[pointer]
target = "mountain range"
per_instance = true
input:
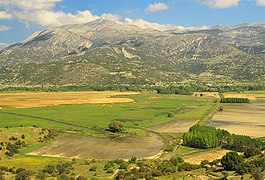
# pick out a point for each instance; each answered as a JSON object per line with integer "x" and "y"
{"x": 103, "y": 52}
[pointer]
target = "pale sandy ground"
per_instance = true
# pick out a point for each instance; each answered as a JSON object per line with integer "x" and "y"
{"x": 242, "y": 119}
{"x": 209, "y": 155}
{"x": 252, "y": 97}
{"x": 177, "y": 126}
{"x": 102, "y": 148}
{"x": 42, "y": 99}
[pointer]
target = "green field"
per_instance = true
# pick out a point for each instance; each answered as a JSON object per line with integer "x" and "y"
{"x": 148, "y": 110}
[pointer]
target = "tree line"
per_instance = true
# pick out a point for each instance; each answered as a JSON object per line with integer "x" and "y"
{"x": 205, "y": 137}
{"x": 235, "y": 100}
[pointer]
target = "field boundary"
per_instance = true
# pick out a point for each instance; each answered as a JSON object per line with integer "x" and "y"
{"x": 208, "y": 115}
{"x": 46, "y": 119}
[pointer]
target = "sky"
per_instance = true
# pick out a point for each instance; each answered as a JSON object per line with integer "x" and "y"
{"x": 21, "y": 18}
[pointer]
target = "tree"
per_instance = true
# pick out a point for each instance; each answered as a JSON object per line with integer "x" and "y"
{"x": 115, "y": 127}
{"x": 23, "y": 175}
{"x": 23, "y": 136}
{"x": 231, "y": 161}
{"x": 93, "y": 168}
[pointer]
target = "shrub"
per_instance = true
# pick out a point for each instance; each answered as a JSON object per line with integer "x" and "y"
{"x": 115, "y": 127}
{"x": 169, "y": 148}
{"x": 123, "y": 165}
{"x": 23, "y": 175}
{"x": 93, "y": 168}
{"x": 231, "y": 161}
{"x": 251, "y": 151}
{"x": 108, "y": 165}
{"x": 133, "y": 160}
{"x": 110, "y": 170}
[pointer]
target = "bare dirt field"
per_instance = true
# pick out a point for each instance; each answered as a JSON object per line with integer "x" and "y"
{"x": 177, "y": 126}
{"x": 243, "y": 119}
{"x": 197, "y": 158}
{"x": 252, "y": 97}
{"x": 102, "y": 148}
{"x": 42, "y": 99}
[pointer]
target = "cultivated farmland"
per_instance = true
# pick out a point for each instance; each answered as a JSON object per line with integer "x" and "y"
{"x": 42, "y": 99}
{"x": 243, "y": 119}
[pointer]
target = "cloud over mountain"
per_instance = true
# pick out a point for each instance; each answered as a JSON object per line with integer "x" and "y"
{"x": 155, "y": 7}
{"x": 260, "y": 2}
{"x": 5, "y": 16}
{"x": 220, "y": 4}
{"x": 4, "y": 28}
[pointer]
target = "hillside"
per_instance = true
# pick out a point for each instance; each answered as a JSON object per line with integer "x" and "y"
{"x": 103, "y": 52}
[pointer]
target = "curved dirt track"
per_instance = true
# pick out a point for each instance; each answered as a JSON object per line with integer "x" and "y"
{"x": 85, "y": 147}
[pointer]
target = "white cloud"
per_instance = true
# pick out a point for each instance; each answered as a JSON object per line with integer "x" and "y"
{"x": 5, "y": 16}
{"x": 27, "y": 5}
{"x": 260, "y": 2}
{"x": 220, "y": 4}
{"x": 161, "y": 27}
{"x": 51, "y": 18}
{"x": 42, "y": 13}
{"x": 156, "y": 7}
{"x": 145, "y": 24}
{"x": 111, "y": 17}
{"x": 4, "y": 28}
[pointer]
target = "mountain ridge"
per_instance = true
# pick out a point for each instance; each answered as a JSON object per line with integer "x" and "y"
{"x": 118, "y": 53}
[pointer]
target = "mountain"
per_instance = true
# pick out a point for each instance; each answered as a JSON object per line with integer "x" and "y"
{"x": 103, "y": 52}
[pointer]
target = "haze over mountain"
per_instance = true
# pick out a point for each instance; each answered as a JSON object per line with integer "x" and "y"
{"x": 104, "y": 52}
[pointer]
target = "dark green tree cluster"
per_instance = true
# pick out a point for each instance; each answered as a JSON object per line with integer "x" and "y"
{"x": 181, "y": 90}
{"x": 115, "y": 127}
{"x": 149, "y": 169}
{"x": 235, "y": 100}
{"x": 205, "y": 137}
{"x": 242, "y": 143}
{"x": 57, "y": 169}
{"x": 13, "y": 148}
{"x": 231, "y": 161}
{"x": 235, "y": 162}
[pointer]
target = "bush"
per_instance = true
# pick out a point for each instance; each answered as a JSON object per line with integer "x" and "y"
{"x": 188, "y": 167}
{"x": 231, "y": 161}
{"x": 169, "y": 148}
{"x": 133, "y": 160}
{"x": 110, "y": 170}
{"x": 123, "y": 165}
{"x": 23, "y": 175}
{"x": 108, "y": 165}
{"x": 115, "y": 127}
{"x": 251, "y": 151}
{"x": 93, "y": 168}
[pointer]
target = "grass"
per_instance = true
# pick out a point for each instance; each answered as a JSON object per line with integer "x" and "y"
{"x": 148, "y": 109}
{"x": 31, "y": 135}
{"x": 253, "y": 92}
{"x": 145, "y": 112}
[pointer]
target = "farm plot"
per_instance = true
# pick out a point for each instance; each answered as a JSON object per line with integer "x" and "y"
{"x": 145, "y": 111}
{"x": 243, "y": 119}
{"x": 42, "y": 99}
{"x": 251, "y": 96}
{"x": 102, "y": 148}
{"x": 174, "y": 126}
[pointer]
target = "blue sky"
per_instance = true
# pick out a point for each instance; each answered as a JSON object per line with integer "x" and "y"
{"x": 20, "y": 18}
